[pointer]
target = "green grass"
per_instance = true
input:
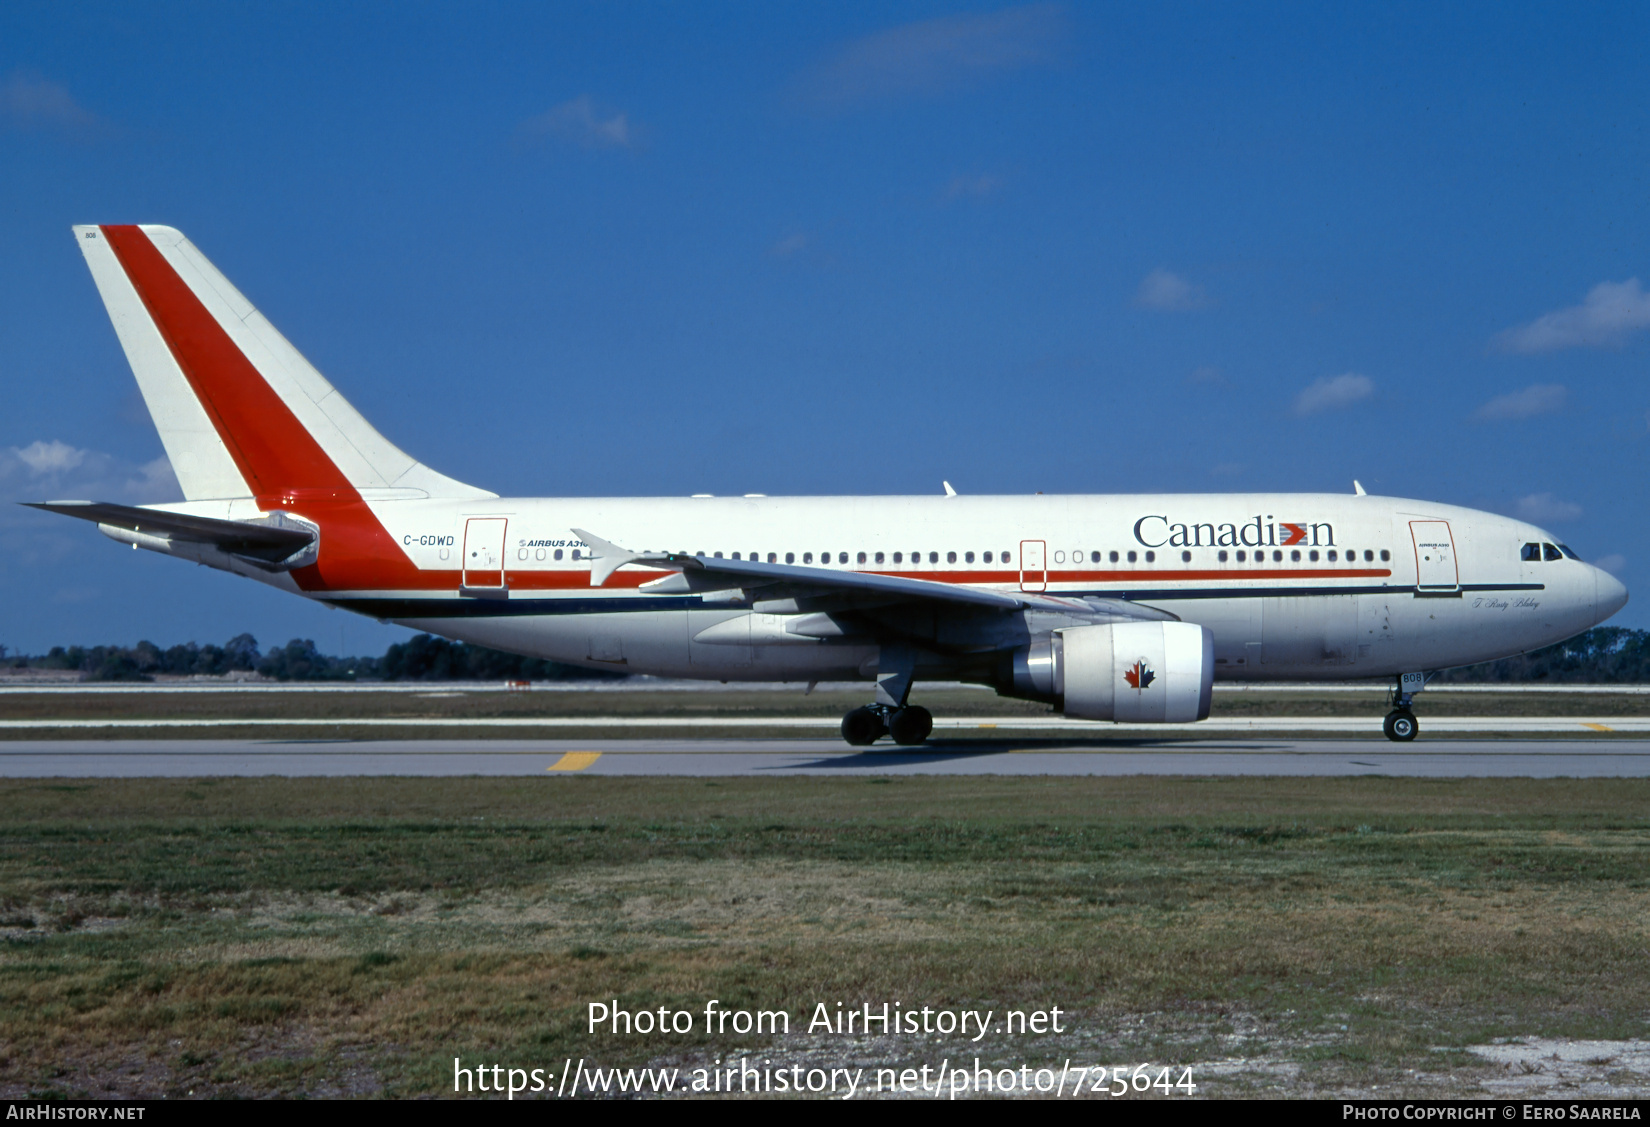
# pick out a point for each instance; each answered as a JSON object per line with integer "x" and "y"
{"x": 258, "y": 936}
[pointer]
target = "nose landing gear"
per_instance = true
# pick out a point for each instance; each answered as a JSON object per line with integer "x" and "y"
{"x": 909, "y": 724}
{"x": 1400, "y": 725}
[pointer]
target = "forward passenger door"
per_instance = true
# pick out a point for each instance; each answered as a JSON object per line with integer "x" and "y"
{"x": 1436, "y": 571}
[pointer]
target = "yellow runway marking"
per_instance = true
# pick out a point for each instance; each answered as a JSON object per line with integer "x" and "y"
{"x": 1598, "y": 727}
{"x": 988, "y": 725}
{"x": 575, "y": 761}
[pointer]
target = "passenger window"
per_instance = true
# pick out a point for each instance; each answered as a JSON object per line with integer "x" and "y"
{"x": 1385, "y": 555}
{"x": 1151, "y": 557}
{"x": 1277, "y": 557}
{"x": 1059, "y": 557}
{"x": 558, "y": 553}
{"x": 790, "y": 557}
{"x": 1548, "y": 552}
{"x": 807, "y": 557}
{"x": 879, "y": 557}
{"x": 773, "y": 557}
{"x": 842, "y": 558}
{"x": 899, "y": 557}
{"x": 1313, "y": 556}
{"x": 950, "y": 557}
{"x": 1132, "y": 557}
{"x": 1295, "y": 555}
{"x": 736, "y": 555}
{"x": 1185, "y": 557}
{"x": 576, "y": 553}
{"x": 1222, "y": 556}
{"x": 987, "y": 557}
{"x": 933, "y": 557}
{"x": 1331, "y": 555}
{"x": 1094, "y": 557}
{"x": 968, "y": 557}
{"x": 1240, "y": 556}
{"x": 1114, "y": 557}
{"x": 862, "y": 558}
{"x": 1007, "y": 557}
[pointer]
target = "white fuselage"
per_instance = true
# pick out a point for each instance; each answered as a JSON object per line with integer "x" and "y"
{"x": 1298, "y": 586}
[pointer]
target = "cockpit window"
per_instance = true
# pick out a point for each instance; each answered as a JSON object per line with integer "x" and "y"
{"x": 1530, "y": 553}
{"x": 1569, "y": 551}
{"x": 1548, "y": 552}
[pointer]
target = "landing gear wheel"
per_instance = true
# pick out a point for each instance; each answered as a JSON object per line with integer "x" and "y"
{"x": 861, "y": 727}
{"x": 911, "y": 725}
{"x": 1400, "y": 725}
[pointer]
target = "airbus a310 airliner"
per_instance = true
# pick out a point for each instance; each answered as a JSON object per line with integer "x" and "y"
{"x": 1121, "y": 608}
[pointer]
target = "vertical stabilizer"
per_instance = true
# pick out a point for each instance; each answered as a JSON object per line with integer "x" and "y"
{"x": 240, "y": 412}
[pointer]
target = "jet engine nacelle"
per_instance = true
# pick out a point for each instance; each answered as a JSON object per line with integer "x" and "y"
{"x": 1136, "y": 672}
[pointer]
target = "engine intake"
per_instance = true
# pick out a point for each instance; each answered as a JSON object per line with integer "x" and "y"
{"x": 1136, "y": 672}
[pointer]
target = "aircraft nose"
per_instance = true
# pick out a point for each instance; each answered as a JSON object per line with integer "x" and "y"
{"x": 1609, "y": 595}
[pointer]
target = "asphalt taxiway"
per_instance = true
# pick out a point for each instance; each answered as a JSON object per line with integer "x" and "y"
{"x": 1454, "y": 758}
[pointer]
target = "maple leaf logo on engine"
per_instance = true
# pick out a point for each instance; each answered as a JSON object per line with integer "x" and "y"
{"x": 1139, "y": 675}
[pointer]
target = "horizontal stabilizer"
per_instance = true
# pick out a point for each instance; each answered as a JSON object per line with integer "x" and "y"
{"x": 269, "y": 541}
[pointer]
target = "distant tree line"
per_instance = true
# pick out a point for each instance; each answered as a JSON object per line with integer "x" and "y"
{"x": 1602, "y": 655}
{"x": 420, "y": 658}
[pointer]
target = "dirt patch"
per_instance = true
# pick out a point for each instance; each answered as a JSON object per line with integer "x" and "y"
{"x": 1540, "y": 1068}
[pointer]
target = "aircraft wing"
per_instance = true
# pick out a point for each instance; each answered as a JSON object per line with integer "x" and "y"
{"x": 268, "y": 541}
{"x": 828, "y": 580}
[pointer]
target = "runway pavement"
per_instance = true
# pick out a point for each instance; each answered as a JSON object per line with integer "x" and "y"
{"x": 1457, "y": 758}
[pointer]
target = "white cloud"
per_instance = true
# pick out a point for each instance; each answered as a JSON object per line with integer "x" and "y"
{"x": 1332, "y": 393}
{"x": 1164, "y": 290}
{"x": 933, "y": 56}
{"x": 1611, "y": 312}
{"x": 583, "y": 122}
{"x": 29, "y": 101}
{"x": 1544, "y": 508}
{"x": 49, "y": 457}
{"x": 789, "y": 245}
{"x": 1612, "y": 563}
{"x": 54, "y": 470}
{"x": 970, "y": 187}
{"x": 1537, "y": 399}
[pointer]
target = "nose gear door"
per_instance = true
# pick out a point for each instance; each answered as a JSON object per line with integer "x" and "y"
{"x": 1436, "y": 572}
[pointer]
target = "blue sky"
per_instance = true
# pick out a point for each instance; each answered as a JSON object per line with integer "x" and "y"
{"x": 638, "y": 249}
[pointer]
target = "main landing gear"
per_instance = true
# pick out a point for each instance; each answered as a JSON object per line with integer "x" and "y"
{"x": 909, "y": 725}
{"x": 890, "y": 715}
{"x": 1400, "y": 725}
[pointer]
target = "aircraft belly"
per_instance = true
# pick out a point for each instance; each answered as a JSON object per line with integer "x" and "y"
{"x": 653, "y": 643}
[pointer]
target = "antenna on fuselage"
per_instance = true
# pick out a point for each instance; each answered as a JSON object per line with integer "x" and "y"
{"x": 949, "y": 492}
{"x": 1358, "y": 489}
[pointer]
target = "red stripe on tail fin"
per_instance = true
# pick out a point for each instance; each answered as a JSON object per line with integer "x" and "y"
{"x": 284, "y": 466}
{"x": 272, "y": 449}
